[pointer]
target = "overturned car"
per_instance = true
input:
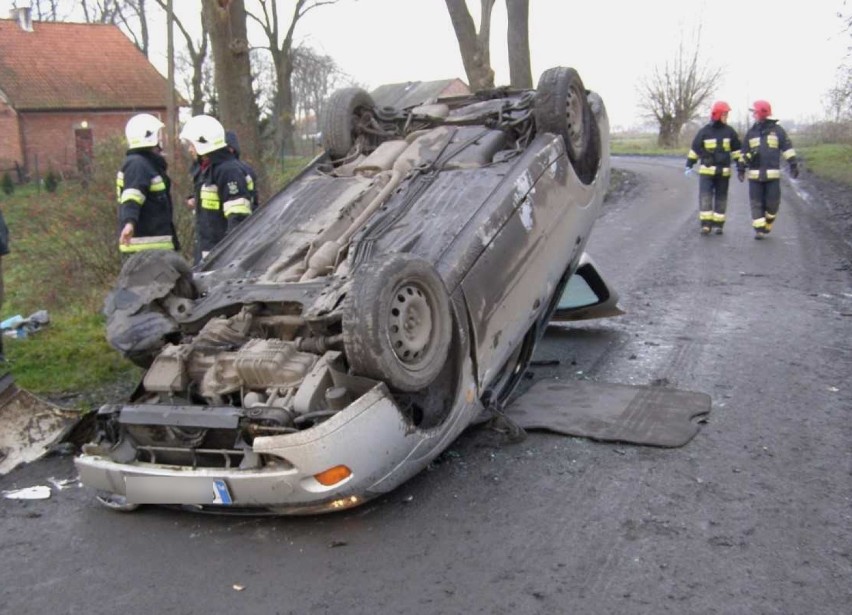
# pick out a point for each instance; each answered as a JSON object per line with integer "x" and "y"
{"x": 344, "y": 335}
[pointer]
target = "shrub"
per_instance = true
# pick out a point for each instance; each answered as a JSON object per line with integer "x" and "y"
{"x": 51, "y": 181}
{"x": 6, "y": 183}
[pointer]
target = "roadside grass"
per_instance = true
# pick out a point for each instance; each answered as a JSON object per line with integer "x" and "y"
{"x": 630, "y": 144}
{"x": 71, "y": 354}
{"x": 830, "y": 161}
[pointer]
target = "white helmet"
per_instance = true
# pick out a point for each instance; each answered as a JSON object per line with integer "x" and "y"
{"x": 205, "y": 133}
{"x": 143, "y": 130}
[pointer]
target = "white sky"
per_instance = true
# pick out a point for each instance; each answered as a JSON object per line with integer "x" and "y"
{"x": 784, "y": 52}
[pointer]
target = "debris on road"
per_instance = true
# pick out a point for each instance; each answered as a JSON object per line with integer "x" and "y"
{"x": 29, "y": 426}
{"x": 39, "y": 492}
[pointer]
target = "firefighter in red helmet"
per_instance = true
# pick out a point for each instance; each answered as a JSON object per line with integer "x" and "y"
{"x": 715, "y": 146}
{"x": 766, "y": 143}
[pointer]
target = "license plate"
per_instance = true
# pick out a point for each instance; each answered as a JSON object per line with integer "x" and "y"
{"x": 177, "y": 490}
{"x": 221, "y": 495}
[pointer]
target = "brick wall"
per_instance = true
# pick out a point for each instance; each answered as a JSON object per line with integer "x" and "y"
{"x": 10, "y": 142}
{"x": 50, "y": 135}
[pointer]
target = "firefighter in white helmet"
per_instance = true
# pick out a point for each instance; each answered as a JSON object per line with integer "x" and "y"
{"x": 224, "y": 198}
{"x": 143, "y": 190}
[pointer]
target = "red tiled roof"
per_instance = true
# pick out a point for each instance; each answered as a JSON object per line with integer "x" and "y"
{"x": 76, "y": 66}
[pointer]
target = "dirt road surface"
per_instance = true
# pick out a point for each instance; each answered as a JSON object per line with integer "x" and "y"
{"x": 753, "y": 516}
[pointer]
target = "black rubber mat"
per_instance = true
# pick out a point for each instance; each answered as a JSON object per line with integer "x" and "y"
{"x": 651, "y": 415}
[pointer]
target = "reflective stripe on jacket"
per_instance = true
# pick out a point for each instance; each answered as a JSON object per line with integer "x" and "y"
{"x": 766, "y": 143}
{"x": 142, "y": 191}
{"x": 716, "y": 146}
{"x": 225, "y": 197}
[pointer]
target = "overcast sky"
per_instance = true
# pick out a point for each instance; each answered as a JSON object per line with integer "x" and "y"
{"x": 785, "y": 52}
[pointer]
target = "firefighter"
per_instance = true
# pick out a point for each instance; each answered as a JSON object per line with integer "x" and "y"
{"x": 716, "y": 145}
{"x": 251, "y": 177}
{"x": 224, "y": 196}
{"x": 143, "y": 190}
{"x": 765, "y": 144}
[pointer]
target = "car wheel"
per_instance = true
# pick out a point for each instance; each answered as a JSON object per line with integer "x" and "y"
{"x": 562, "y": 108}
{"x": 397, "y": 325}
{"x": 344, "y": 112}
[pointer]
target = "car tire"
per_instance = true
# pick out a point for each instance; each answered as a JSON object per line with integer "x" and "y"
{"x": 343, "y": 112}
{"x": 562, "y": 108}
{"x": 397, "y": 324}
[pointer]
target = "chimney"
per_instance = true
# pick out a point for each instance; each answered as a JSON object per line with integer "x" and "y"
{"x": 23, "y": 16}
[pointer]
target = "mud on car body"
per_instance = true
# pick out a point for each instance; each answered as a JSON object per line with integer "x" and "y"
{"x": 344, "y": 335}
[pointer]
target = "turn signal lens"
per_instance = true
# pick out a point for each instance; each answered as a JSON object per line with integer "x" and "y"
{"x": 332, "y": 476}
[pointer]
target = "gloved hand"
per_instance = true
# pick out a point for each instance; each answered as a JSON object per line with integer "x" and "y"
{"x": 794, "y": 171}
{"x": 687, "y": 171}
{"x": 741, "y": 174}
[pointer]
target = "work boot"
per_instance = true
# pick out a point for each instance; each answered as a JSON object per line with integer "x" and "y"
{"x": 718, "y": 230}
{"x": 759, "y": 234}
{"x": 705, "y": 230}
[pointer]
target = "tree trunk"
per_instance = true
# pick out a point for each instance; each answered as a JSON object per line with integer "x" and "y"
{"x": 518, "y": 40}
{"x": 282, "y": 111}
{"x": 284, "y": 103}
{"x": 474, "y": 48}
{"x": 226, "y": 23}
{"x": 668, "y": 135}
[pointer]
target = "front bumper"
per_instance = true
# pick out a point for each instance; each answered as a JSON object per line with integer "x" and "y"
{"x": 370, "y": 437}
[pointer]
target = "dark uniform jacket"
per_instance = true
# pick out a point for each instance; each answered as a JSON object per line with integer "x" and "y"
{"x": 224, "y": 197}
{"x": 251, "y": 176}
{"x": 143, "y": 191}
{"x": 765, "y": 144}
{"x": 716, "y": 145}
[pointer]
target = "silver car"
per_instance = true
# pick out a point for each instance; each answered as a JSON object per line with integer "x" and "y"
{"x": 388, "y": 297}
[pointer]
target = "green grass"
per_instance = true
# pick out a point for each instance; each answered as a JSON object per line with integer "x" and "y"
{"x": 70, "y": 354}
{"x": 831, "y": 161}
{"x": 642, "y": 144}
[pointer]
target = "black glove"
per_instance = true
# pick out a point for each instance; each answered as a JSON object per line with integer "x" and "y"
{"x": 741, "y": 174}
{"x": 794, "y": 171}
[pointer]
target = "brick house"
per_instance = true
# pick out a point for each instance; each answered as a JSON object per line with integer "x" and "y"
{"x": 65, "y": 87}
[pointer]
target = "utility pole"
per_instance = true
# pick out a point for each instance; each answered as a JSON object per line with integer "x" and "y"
{"x": 171, "y": 102}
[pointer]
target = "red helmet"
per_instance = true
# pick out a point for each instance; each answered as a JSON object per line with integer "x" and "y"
{"x": 719, "y": 108}
{"x": 761, "y": 109}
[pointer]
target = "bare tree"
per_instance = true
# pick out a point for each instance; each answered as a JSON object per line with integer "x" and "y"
{"x": 47, "y": 10}
{"x": 518, "y": 40}
{"x": 838, "y": 100}
{"x": 100, "y": 11}
{"x": 132, "y": 14}
{"x": 673, "y": 93}
{"x": 474, "y": 46}
{"x": 196, "y": 55}
{"x": 280, "y": 46}
{"x": 226, "y": 24}
{"x": 314, "y": 77}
